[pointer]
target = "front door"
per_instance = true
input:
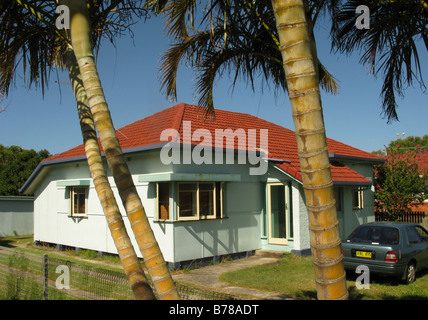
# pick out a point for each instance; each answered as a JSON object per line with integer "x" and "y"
{"x": 277, "y": 213}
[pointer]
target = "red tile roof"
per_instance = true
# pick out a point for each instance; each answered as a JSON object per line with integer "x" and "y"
{"x": 281, "y": 141}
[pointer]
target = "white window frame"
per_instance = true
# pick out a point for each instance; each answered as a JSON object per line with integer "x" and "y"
{"x": 360, "y": 199}
{"x": 198, "y": 216}
{"x": 72, "y": 195}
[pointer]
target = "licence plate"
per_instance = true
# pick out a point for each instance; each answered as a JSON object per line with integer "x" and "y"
{"x": 363, "y": 254}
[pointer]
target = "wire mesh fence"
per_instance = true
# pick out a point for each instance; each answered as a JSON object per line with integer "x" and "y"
{"x": 28, "y": 276}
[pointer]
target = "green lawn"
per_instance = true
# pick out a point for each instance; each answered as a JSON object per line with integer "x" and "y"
{"x": 294, "y": 276}
{"x": 25, "y": 243}
{"x": 15, "y": 240}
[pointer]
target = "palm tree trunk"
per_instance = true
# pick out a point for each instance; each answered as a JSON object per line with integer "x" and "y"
{"x": 127, "y": 255}
{"x": 300, "y": 63}
{"x": 153, "y": 258}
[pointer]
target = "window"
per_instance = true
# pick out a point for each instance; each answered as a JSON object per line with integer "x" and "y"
{"x": 416, "y": 234}
{"x": 375, "y": 235}
{"x": 412, "y": 235}
{"x": 78, "y": 196}
{"x": 357, "y": 199}
{"x": 163, "y": 200}
{"x": 423, "y": 234}
{"x": 199, "y": 200}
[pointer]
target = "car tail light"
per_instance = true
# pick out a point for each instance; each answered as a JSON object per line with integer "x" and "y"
{"x": 391, "y": 256}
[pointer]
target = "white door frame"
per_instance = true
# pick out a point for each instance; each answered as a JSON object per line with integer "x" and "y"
{"x": 272, "y": 240}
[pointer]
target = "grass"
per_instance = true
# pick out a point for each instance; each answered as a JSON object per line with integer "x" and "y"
{"x": 16, "y": 240}
{"x": 89, "y": 279}
{"x": 294, "y": 276}
{"x": 25, "y": 243}
{"x": 86, "y": 278}
{"x": 291, "y": 275}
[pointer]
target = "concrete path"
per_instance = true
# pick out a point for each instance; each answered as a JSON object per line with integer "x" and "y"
{"x": 209, "y": 276}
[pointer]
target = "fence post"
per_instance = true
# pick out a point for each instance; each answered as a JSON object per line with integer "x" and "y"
{"x": 45, "y": 277}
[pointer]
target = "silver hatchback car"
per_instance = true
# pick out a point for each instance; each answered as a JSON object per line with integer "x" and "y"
{"x": 388, "y": 248}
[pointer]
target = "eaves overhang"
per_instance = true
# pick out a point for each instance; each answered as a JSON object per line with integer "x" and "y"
{"x": 339, "y": 157}
{"x": 28, "y": 188}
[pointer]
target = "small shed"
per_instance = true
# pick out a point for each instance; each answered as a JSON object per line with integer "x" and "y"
{"x": 16, "y": 215}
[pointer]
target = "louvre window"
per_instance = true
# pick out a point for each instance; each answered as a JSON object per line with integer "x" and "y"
{"x": 357, "y": 199}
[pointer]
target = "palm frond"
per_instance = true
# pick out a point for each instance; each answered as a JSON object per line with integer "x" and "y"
{"x": 180, "y": 17}
{"x": 30, "y": 40}
{"x": 389, "y": 47}
{"x": 238, "y": 38}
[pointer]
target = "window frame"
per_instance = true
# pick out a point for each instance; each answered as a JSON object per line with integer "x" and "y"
{"x": 158, "y": 216}
{"x": 216, "y": 192}
{"x": 360, "y": 199}
{"x": 72, "y": 190}
{"x": 193, "y": 217}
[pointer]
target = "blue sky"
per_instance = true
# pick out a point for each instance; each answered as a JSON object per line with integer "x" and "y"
{"x": 130, "y": 77}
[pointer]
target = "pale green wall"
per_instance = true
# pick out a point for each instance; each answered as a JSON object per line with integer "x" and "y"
{"x": 16, "y": 216}
{"x": 242, "y": 229}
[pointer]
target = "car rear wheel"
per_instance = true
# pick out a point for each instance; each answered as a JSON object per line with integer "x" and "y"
{"x": 410, "y": 273}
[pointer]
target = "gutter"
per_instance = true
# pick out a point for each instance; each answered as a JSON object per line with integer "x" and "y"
{"x": 338, "y": 157}
{"x": 351, "y": 183}
{"x": 16, "y": 198}
{"x": 150, "y": 147}
{"x": 44, "y": 164}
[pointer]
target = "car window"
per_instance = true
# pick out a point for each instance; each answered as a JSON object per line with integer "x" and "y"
{"x": 413, "y": 235}
{"x": 375, "y": 234}
{"x": 423, "y": 234}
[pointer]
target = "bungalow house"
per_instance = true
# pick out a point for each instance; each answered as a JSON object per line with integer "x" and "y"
{"x": 210, "y": 186}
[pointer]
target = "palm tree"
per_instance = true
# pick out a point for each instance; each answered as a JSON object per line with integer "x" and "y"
{"x": 19, "y": 43}
{"x": 80, "y": 34}
{"x": 298, "y": 52}
{"x": 51, "y": 46}
{"x": 390, "y": 46}
{"x": 301, "y": 73}
{"x": 126, "y": 251}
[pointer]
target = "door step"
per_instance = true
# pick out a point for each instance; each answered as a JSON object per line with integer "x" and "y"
{"x": 270, "y": 253}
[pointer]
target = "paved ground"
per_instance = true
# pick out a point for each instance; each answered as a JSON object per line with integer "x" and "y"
{"x": 209, "y": 276}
